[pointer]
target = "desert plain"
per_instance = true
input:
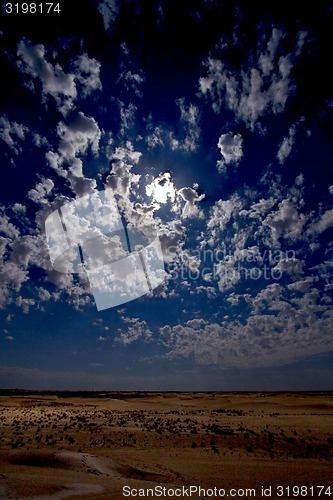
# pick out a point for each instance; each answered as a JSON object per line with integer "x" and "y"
{"x": 108, "y": 445}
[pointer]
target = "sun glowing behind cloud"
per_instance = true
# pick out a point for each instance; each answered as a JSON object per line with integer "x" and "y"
{"x": 162, "y": 189}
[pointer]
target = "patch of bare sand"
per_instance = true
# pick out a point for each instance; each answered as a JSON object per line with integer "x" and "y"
{"x": 92, "y": 464}
{"x": 25, "y": 470}
{"x": 70, "y": 490}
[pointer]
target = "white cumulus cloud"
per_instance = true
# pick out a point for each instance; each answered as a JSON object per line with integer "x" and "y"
{"x": 54, "y": 81}
{"x": 231, "y": 150}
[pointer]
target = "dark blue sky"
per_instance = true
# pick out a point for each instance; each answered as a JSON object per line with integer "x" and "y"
{"x": 226, "y": 106}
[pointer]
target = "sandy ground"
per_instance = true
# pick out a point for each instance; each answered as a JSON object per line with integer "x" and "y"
{"x": 55, "y": 448}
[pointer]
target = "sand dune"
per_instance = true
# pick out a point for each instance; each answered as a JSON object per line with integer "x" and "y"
{"x": 70, "y": 490}
{"x": 92, "y": 464}
{"x": 80, "y": 463}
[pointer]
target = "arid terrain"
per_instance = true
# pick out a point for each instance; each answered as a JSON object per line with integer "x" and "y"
{"x": 53, "y": 446}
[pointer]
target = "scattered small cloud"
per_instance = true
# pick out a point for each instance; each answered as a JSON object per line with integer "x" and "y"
{"x": 11, "y": 132}
{"x": 87, "y": 74}
{"x": 324, "y": 222}
{"x": 263, "y": 88}
{"x": 54, "y": 81}
{"x": 286, "y": 146}
{"x": 41, "y": 191}
{"x": 136, "y": 330}
{"x": 191, "y": 198}
{"x": 109, "y": 10}
{"x": 189, "y": 119}
{"x": 231, "y": 150}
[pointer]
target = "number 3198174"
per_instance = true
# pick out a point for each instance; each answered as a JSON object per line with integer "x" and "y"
{"x": 32, "y": 8}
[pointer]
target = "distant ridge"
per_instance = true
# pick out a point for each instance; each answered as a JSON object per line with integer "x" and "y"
{"x": 139, "y": 394}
